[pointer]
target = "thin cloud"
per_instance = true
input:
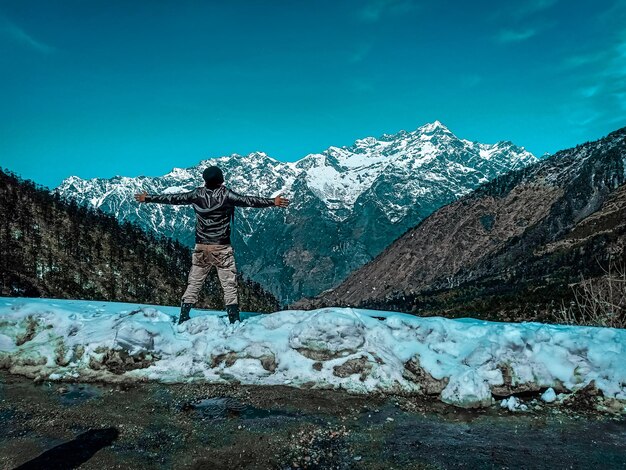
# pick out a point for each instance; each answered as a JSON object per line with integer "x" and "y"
{"x": 374, "y": 10}
{"x": 589, "y": 91}
{"x": 360, "y": 53}
{"x": 520, "y": 11}
{"x": 584, "y": 59}
{"x": 529, "y": 8}
{"x": 601, "y": 78}
{"x": 18, "y": 35}
{"x": 512, "y": 35}
{"x": 517, "y": 16}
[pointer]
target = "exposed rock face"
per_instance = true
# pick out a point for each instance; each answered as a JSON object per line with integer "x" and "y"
{"x": 525, "y": 235}
{"x": 348, "y": 203}
{"x": 120, "y": 361}
{"x": 267, "y": 359}
{"x": 357, "y": 365}
{"x": 414, "y": 372}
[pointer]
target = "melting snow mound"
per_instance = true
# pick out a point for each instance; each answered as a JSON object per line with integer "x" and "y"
{"x": 463, "y": 362}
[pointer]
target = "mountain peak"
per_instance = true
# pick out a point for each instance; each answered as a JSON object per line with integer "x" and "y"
{"x": 434, "y": 127}
{"x": 257, "y": 154}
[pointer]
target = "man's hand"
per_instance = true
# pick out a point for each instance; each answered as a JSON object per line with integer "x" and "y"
{"x": 141, "y": 197}
{"x": 280, "y": 201}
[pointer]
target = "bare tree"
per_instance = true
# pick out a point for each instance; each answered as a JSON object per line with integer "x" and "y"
{"x": 599, "y": 301}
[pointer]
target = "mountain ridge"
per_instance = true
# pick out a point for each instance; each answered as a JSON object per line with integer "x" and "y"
{"x": 499, "y": 235}
{"x": 348, "y": 202}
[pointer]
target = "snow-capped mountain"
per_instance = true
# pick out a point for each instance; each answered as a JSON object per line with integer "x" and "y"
{"x": 348, "y": 203}
{"x": 513, "y": 249}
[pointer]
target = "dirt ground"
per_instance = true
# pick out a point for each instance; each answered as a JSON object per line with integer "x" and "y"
{"x": 150, "y": 425}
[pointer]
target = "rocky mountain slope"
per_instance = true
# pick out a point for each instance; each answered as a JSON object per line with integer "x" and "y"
{"x": 510, "y": 249}
{"x": 348, "y": 203}
{"x": 55, "y": 249}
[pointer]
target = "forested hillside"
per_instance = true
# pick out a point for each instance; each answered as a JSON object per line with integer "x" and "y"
{"x": 51, "y": 247}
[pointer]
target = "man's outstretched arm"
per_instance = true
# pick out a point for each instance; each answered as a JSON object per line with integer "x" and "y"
{"x": 181, "y": 198}
{"x": 254, "y": 201}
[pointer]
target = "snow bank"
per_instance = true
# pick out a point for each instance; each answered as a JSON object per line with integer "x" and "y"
{"x": 464, "y": 361}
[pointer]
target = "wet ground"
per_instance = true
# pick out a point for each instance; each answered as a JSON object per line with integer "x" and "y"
{"x": 91, "y": 426}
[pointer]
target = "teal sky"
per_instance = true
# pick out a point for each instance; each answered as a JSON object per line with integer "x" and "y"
{"x": 101, "y": 88}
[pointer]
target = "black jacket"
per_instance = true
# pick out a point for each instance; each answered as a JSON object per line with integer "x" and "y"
{"x": 214, "y": 210}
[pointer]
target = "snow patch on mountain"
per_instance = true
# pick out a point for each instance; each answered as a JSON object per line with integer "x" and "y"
{"x": 176, "y": 189}
{"x": 338, "y": 176}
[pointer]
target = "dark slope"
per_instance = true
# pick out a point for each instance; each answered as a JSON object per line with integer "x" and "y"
{"x": 52, "y": 248}
{"x": 509, "y": 249}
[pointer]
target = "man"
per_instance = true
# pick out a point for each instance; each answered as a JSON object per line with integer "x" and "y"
{"x": 214, "y": 205}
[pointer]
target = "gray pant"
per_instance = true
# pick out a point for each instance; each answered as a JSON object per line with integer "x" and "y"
{"x": 203, "y": 259}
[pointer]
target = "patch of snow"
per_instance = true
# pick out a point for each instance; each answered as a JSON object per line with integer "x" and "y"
{"x": 174, "y": 190}
{"x": 358, "y": 350}
{"x": 486, "y": 153}
{"x": 513, "y": 404}
{"x": 467, "y": 389}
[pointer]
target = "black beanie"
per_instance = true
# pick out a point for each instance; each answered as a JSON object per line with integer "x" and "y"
{"x": 213, "y": 177}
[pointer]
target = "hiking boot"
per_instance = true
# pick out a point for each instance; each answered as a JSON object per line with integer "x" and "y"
{"x": 184, "y": 312}
{"x": 233, "y": 312}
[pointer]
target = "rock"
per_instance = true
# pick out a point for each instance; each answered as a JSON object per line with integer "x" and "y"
{"x": 511, "y": 384}
{"x": 268, "y": 362}
{"x": 5, "y": 360}
{"x": 613, "y": 406}
{"x": 29, "y": 333}
{"x": 79, "y": 350}
{"x": 583, "y": 399}
{"x": 228, "y": 359}
{"x": 60, "y": 358}
{"x": 119, "y": 361}
{"x": 353, "y": 366}
{"x": 262, "y": 354}
{"x": 414, "y": 372}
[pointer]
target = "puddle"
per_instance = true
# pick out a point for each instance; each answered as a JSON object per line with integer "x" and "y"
{"x": 77, "y": 394}
{"x": 231, "y": 408}
{"x": 7, "y": 417}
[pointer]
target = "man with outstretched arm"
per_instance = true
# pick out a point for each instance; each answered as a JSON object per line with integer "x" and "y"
{"x": 214, "y": 205}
